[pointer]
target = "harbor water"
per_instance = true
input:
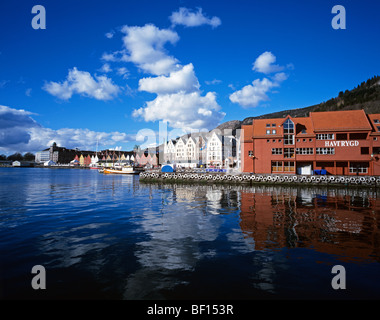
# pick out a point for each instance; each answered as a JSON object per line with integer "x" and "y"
{"x": 115, "y": 237}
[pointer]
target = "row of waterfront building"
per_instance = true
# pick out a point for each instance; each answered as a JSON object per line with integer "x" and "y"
{"x": 337, "y": 143}
{"x": 193, "y": 150}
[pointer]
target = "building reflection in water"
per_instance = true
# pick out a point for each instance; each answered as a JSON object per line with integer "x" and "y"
{"x": 342, "y": 222}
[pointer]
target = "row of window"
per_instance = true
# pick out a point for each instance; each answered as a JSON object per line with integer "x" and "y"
{"x": 289, "y": 152}
{"x": 288, "y": 130}
{"x": 325, "y": 136}
{"x": 359, "y": 167}
{"x": 283, "y": 166}
{"x": 289, "y": 166}
{"x": 289, "y": 140}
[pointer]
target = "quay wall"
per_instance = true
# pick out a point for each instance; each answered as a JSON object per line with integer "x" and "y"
{"x": 245, "y": 178}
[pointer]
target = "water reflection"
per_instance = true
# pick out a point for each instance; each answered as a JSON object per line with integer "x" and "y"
{"x": 342, "y": 223}
{"x": 151, "y": 241}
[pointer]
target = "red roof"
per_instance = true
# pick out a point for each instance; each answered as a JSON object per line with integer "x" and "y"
{"x": 349, "y": 120}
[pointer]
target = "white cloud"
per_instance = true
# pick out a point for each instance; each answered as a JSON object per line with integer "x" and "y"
{"x": 213, "y": 82}
{"x": 188, "y": 18}
{"x": 124, "y": 72}
{"x": 179, "y": 100}
{"x": 265, "y": 63}
{"x": 81, "y": 82}
{"x": 251, "y": 95}
{"x": 183, "y": 110}
{"x": 145, "y": 47}
{"x": 109, "y": 35}
{"x": 181, "y": 80}
{"x": 279, "y": 77}
{"x": 20, "y": 133}
{"x": 105, "y": 68}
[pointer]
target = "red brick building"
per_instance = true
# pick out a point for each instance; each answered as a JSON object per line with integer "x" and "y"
{"x": 336, "y": 142}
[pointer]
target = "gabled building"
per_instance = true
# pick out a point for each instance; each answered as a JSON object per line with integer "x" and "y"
{"x": 215, "y": 150}
{"x": 334, "y": 142}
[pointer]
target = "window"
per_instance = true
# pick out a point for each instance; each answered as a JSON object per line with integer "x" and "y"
{"x": 376, "y": 121}
{"x": 310, "y": 140}
{"x": 289, "y": 166}
{"x": 274, "y": 140}
{"x": 277, "y": 166}
{"x": 288, "y": 152}
{"x": 289, "y": 139}
{"x": 276, "y": 150}
{"x": 304, "y": 151}
{"x": 250, "y": 153}
{"x": 359, "y": 167}
{"x": 378, "y": 128}
{"x": 288, "y": 126}
{"x": 364, "y": 150}
{"x": 298, "y": 140}
{"x": 303, "y": 131}
{"x": 268, "y": 131}
{"x": 303, "y": 140}
{"x": 268, "y": 140}
{"x": 325, "y": 151}
{"x": 268, "y": 125}
{"x": 325, "y": 136}
{"x": 341, "y": 136}
{"x": 273, "y": 131}
{"x": 359, "y": 136}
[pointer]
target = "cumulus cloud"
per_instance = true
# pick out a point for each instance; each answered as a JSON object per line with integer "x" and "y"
{"x": 13, "y": 126}
{"x": 183, "y": 110}
{"x": 189, "y": 18}
{"x": 179, "y": 100}
{"x": 82, "y": 83}
{"x": 265, "y": 63}
{"x": 20, "y": 132}
{"x": 251, "y": 95}
{"x": 145, "y": 47}
{"x": 182, "y": 80}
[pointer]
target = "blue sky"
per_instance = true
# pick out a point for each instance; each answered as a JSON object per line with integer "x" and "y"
{"x": 105, "y": 70}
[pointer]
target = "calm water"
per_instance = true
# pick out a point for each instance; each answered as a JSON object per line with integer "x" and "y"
{"x": 112, "y": 237}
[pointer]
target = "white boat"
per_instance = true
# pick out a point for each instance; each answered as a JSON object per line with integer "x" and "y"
{"x": 123, "y": 170}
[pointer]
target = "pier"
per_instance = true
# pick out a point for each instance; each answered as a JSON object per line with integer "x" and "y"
{"x": 246, "y": 178}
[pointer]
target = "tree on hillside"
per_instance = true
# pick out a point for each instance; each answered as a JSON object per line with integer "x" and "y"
{"x": 29, "y": 156}
{"x": 15, "y": 157}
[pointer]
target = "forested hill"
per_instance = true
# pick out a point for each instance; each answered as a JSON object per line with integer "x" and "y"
{"x": 365, "y": 96}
